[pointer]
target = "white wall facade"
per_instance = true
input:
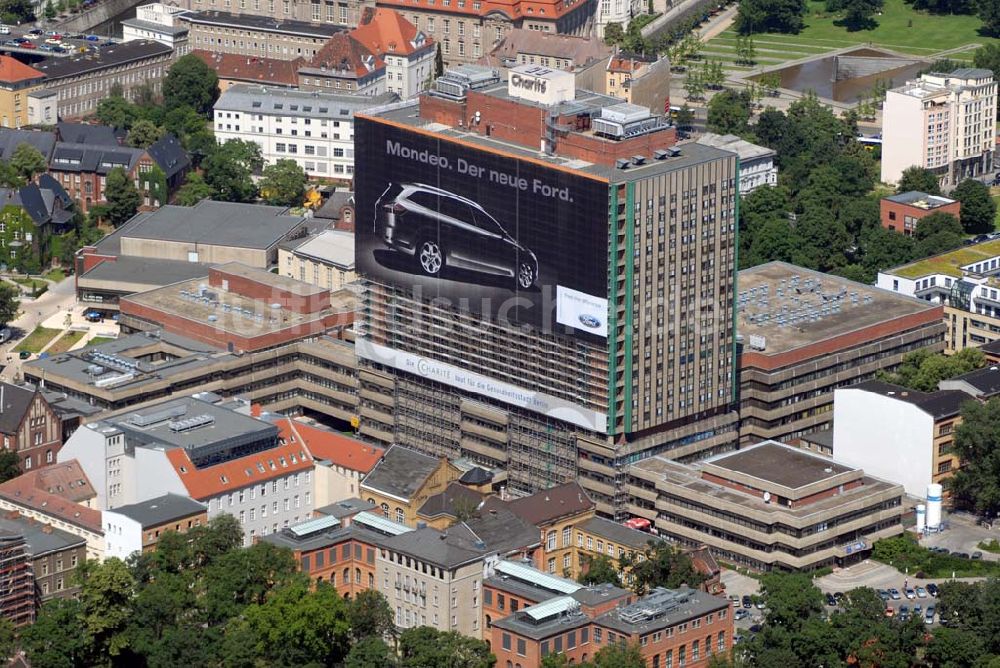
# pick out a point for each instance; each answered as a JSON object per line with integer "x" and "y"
{"x": 267, "y": 507}
{"x": 887, "y": 437}
{"x": 335, "y": 483}
{"x": 616, "y": 11}
{"x": 408, "y": 75}
{"x": 122, "y": 535}
{"x": 904, "y": 135}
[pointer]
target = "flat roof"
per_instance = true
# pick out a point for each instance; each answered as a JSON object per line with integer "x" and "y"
{"x": 792, "y": 307}
{"x": 938, "y": 404}
{"x": 109, "y": 56}
{"x": 691, "y": 153}
{"x": 132, "y": 271}
{"x": 216, "y": 224}
{"x": 345, "y": 507}
{"x": 661, "y": 608}
{"x": 920, "y": 200}
{"x": 334, "y": 247}
{"x": 780, "y": 465}
{"x": 155, "y": 27}
{"x": 263, "y": 23}
{"x": 161, "y": 510}
{"x": 258, "y": 99}
{"x": 950, "y": 263}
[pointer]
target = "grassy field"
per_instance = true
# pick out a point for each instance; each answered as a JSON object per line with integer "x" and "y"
{"x": 65, "y": 342}
{"x": 98, "y": 340}
{"x": 37, "y": 340}
{"x": 900, "y": 28}
{"x": 996, "y": 220}
{"x": 56, "y": 275}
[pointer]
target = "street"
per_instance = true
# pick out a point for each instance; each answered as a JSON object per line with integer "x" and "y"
{"x": 59, "y": 297}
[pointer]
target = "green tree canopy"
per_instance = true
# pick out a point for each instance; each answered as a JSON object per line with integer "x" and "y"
{"x": 10, "y": 303}
{"x": 613, "y": 33}
{"x": 922, "y": 370}
{"x": 759, "y": 16}
{"x": 989, "y": 12}
{"x": 729, "y": 112}
{"x": 600, "y": 570}
{"x": 191, "y": 83}
{"x": 938, "y": 233}
{"x": 426, "y": 647}
{"x": 919, "y": 179}
{"x": 27, "y": 161}
{"x": 229, "y": 167}
{"x": 144, "y": 133}
{"x": 979, "y": 211}
{"x": 10, "y": 465}
{"x": 858, "y": 14}
{"x": 117, "y": 112}
{"x": 976, "y": 485}
{"x": 122, "y": 196}
{"x": 370, "y": 615}
{"x": 660, "y": 566}
{"x": 370, "y": 652}
{"x": 193, "y": 191}
{"x": 283, "y": 183}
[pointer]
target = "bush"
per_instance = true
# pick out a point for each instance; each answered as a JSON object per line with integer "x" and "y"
{"x": 905, "y": 554}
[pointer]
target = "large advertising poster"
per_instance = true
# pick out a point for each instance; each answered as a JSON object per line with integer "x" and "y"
{"x": 502, "y": 237}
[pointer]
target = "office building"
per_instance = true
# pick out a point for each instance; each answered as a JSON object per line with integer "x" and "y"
{"x": 902, "y": 212}
{"x": 683, "y": 627}
{"x": 314, "y": 129}
{"x": 517, "y": 354}
{"x": 898, "y": 434}
{"x": 203, "y": 448}
{"x": 769, "y": 506}
{"x": 136, "y": 528}
{"x": 60, "y": 496}
{"x": 962, "y": 281}
{"x": 757, "y": 166}
{"x": 326, "y": 259}
{"x": 82, "y": 81}
{"x": 17, "y": 82}
{"x": 158, "y": 22}
{"x": 942, "y": 122}
{"x": 804, "y": 334}
{"x": 328, "y": 14}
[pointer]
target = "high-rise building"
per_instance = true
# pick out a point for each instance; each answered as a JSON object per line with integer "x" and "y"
{"x": 548, "y": 281}
{"x": 943, "y": 122}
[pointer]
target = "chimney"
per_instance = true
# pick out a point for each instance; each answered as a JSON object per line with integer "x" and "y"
{"x": 47, "y": 528}
{"x": 255, "y": 410}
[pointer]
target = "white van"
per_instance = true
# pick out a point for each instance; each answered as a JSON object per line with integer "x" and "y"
{"x": 4, "y": 30}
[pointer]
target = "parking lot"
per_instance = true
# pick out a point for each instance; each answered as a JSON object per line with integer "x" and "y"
{"x": 37, "y": 41}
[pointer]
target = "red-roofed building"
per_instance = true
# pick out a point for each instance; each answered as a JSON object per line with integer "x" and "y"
{"x": 16, "y": 81}
{"x": 233, "y": 68}
{"x": 344, "y": 65}
{"x": 408, "y": 53}
{"x": 60, "y": 495}
{"x": 467, "y": 29}
{"x": 341, "y": 462}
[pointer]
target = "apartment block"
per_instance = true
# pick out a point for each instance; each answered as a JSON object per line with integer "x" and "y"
{"x": 942, "y": 122}
{"x": 769, "y": 506}
{"x": 136, "y": 528}
{"x": 805, "y": 334}
{"x": 902, "y": 212}
{"x": 479, "y": 362}
{"x": 898, "y": 434}
{"x": 329, "y": 14}
{"x": 314, "y": 129}
{"x": 280, "y": 38}
{"x": 408, "y": 53}
{"x": 964, "y": 283}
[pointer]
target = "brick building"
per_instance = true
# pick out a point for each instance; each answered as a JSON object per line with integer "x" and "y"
{"x": 29, "y": 426}
{"x": 902, "y": 212}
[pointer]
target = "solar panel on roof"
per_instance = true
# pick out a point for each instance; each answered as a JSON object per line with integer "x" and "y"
{"x": 537, "y": 577}
{"x": 380, "y": 524}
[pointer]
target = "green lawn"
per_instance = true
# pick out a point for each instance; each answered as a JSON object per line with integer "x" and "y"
{"x": 98, "y": 340}
{"x": 56, "y": 275}
{"x": 65, "y": 342}
{"x": 37, "y": 340}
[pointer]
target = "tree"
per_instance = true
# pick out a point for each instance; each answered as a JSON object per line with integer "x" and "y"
{"x": 729, "y": 112}
{"x": 117, "y": 112}
{"x": 143, "y": 134}
{"x": 600, "y": 569}
{"x": 979, "y": 211}
{"x": 660, "y": 565}
{"x": 857, "y": 13}
{"x": 619, "y": 655}
{"x": 919, "y": 179}
{"x": 426, "y": 647}
{"x": 228, "y": 169}
{"x": 295, "y": 626}
{"x": 57, "y": 639}
{"x": 50, "y": 11}
{"x": 759, "y": 16}
{"x": 954, "y": 648}
{"x": 16, "y": 12}
{"x": 989, "y": 12}
{"x": 685, "y": 117}
{"x": 193, "y": 191}
{"x": 122, "y": 196}
{"x": 791, "y": 599}
{"x": 283, "y": 183}
{"x": 922, "y": 370}
{"x": 938, "y": 233}
{"x": 613, "y": 33}
{"x": 976, "y": 485}
{"x": 746, "y": 52}
{"x": 9, "y": 302}
{"x": 370, "y": 616}
{"x": 438, "y": 62}
{"x": 10, "y": 464}
{"x": 106, "y": 591}
{"x": 370, "y": 653}
{"x": 694, "y": 84}
{"x": 27, "y": 161}
{"x": 191, "y": 83}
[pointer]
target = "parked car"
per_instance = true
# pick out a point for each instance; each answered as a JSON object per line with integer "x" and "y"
{"x": 4, "y": 30}
{"x": 741, "y": 614}
{"x": 932, "y": 589}
{"x": 53, "y": 41}
{"x": 439, "y": 229}
{"x": 28, "y": 45}
{"x": 918, "y": 610}
{"x": 890, "y": 611}
{"x": 755, "y": 628}
{"x": 747, "y": 602}
{"x": 977, "y": 555}
{"x": 883, "y": 594}
{"x": 894, "y": 594}
{"x": 36, "y": 31}
{"x": 93, "y": 316}
{"x": 961, "y": 555}
{"x": 830, "y": 600}
{"x": 93, "y": 38}
{"x": 24, "y": 354}
{"x": 760, "y": 605}
{"x": 929, "y": 614}
{"x": 904, "y": 613}
{"x": 910, "y": 594}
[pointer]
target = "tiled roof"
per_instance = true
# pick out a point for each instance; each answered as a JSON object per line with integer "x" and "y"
{"x": 626, "y": 63}
{"x": 344, "y": 54}
{"x": 252, "y": 69}
{"x": 580, "y": 50}
{"x": 16, "y": 399}
{"x": 13, "y": 71}
{"x": 65, "y": 479}
{"x": 401, "y": 473}
{"x": 26, "y": 491}
{"x": 211, "y": 481}
{"x": 389, "y": 33}
{"x": 549, "y": 504}
{"x": 334, "y": 447}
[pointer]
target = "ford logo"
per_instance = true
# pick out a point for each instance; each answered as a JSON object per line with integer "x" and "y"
{"x": 590, "y": 321}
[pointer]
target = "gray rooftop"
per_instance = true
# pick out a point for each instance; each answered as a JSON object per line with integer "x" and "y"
{"x": 155, "y": 27}
{"x": 216, "y": 223}
{"x": 333, "y": 247}
{"x": 617, "y": 533}
{"x": 740, "y": 147}
{"x": 345, "y": 508}
{"x": 256, "y": 99}
{"x": 939, "y": 404}
{"x": 983, "y": 383}
{"x": 920, "y": 200}
{"x": 660, "y": 609}
{"x": 40, "y": 539}
{"x": 142, "y": 273}
{"x": 780, "y": 465}
{"x": 972, "y": 73}
{"x": 401, "y": 472}
{"x": 110, "y": 56}
{"x": 263, "y": 23}
{"x": 325, "y": 538}
{"x": 691, "y": 153}
{"x": 161, "y": 510}
{"x": 16, "y": 401}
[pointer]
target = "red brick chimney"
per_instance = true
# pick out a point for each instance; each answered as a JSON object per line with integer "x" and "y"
{"x": 255, "y": 410}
